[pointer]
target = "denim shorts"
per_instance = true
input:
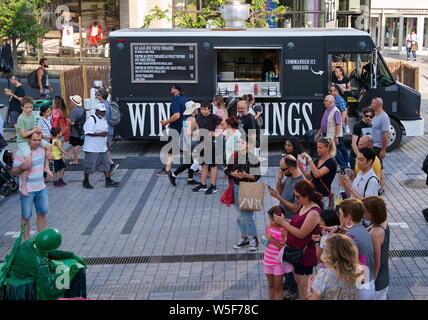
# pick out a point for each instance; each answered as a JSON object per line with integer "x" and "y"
{"x": 40, "y": 200}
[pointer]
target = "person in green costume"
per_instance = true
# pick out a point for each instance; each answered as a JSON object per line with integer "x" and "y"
{"x": 34, "y": 259}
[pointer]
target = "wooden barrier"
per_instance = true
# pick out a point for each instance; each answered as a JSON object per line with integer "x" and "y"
{"x": 78, "y": 81}
{"x": 401, "y": 71}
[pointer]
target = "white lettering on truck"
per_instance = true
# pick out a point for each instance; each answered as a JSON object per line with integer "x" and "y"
{"x": 296, "y": 119}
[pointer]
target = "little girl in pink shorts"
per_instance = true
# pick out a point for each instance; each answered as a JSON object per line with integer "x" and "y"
{"x": 274, "y": 241}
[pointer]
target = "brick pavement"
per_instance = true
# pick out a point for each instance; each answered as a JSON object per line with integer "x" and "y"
{"x": 176, "y": 221}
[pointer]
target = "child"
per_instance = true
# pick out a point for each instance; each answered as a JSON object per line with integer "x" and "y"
{"x": 329, "y": 218}
{"x": 275, "y": 237}
{"x": 57, "y": 152}
{"x": 26, "y": 126}
{"x": 46, "y": 126}
{"x": 45, "y": 122}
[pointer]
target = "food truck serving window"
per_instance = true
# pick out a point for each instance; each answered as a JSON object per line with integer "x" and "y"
{"x": 164, "y": 62}
{"x": 248, "y": 70}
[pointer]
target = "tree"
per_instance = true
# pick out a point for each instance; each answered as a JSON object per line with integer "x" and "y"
{"x": 210, "y": 14}
{"x": 19, "y": 21}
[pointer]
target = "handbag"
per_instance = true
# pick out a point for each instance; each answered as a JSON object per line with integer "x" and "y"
{"x": 293, "y": 255}
{"x": 251, "y": 196}
{"x": 330, "y": 195}
{"x": 227, "y": 197}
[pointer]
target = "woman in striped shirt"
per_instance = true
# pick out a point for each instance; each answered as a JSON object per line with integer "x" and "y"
{"x": 274, "y": 240}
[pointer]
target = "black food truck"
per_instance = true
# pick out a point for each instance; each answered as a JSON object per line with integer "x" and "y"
{"x": 287, "y": 70}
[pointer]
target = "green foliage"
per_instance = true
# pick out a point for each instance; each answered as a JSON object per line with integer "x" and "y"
{"x": 210, "y": 15}
{"x": 19, "y": 20}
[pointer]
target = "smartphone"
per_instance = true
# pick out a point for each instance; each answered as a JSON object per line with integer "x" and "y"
{"x": 342, "y": 170}
{"x": 269, "y": 187}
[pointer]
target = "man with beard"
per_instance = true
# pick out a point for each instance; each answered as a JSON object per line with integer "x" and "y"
{"x": 284, "y": 190}
{"x": 45, "y": 89}
{"x": 246, "y": 120}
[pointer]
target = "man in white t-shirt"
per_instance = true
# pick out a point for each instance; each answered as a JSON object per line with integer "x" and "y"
{"x": 366, "y": 183}
{"x": 95, "y": 148}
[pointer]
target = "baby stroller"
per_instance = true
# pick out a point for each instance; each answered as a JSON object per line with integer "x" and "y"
{"x": 8, "y": 182}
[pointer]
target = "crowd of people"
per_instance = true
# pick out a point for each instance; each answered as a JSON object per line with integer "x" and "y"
{"x": 344, "y": 234}
{"x": 40, "y": 158}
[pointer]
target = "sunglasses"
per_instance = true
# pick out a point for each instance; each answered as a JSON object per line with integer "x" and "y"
{"x": 368, "y": 116}
{"x": 285, "y": 169}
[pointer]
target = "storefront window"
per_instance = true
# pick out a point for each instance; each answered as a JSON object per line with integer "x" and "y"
{"x": 248, "y": 71}
{"x": 62, "y": 18}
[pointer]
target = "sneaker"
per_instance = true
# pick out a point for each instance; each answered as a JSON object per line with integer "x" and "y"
{"x": 254, "y": 244}
{"x": 113, "y": 168}
{"x": 192, "y": 182}
{"x": 56, "y": 184}
{"x": 162, "y": 173}
{"x": 62, "y": 182}
{"x": 111, "y": 184}
{"x": 200, "y": 187}
{"x": 212, "y": 189}
{"x": 87, "y": 185}
{"x": 381, "y": 191}
{"x": 171, "y": 178}
{"x": 243, "y": 242}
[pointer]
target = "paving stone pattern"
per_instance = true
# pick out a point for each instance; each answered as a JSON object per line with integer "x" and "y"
{"x": 177, "y": 221}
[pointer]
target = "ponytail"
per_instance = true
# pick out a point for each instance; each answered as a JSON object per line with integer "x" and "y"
{"x": 317, "y": 198}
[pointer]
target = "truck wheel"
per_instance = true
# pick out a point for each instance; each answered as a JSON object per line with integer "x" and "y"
{"x": 395, "y": 135}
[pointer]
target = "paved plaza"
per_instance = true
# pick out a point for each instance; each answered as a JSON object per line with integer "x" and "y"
{"x": 178, "y": 244}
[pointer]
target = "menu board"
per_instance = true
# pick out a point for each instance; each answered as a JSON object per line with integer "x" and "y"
{"x": 164, "y": 62}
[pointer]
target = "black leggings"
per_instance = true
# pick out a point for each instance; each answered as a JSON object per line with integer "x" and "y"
{"x": 182, "y": 168}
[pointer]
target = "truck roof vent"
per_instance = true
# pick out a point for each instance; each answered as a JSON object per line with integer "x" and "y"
{"x": 235, "y": 12}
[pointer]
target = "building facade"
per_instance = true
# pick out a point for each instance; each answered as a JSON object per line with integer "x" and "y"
{"x": 392, "y": 20}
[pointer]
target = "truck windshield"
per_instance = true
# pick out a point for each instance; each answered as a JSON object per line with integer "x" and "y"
{"x": 384, "y": 79}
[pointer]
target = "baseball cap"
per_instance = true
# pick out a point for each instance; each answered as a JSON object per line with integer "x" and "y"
{"x": 101, "y": 107}
{"x": 179, "y": 87}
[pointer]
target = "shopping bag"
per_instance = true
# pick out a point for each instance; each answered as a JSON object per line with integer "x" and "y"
{"x": 251, "y": 196}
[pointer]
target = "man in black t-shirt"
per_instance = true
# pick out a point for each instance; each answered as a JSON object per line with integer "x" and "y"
{"x": 246, "y": 120}
{"x": 208, "y": 121}
{"x": 361, "y": 128}
{"x": 15, "y": 102}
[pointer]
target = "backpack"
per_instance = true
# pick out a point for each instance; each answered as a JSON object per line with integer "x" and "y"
{"x": 78, "y": 125}
{"x": 367, "y": 184}
{"x": 32, "y": 79}
{"x": 115, "y": 114}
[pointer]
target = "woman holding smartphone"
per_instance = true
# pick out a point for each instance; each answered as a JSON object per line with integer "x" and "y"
{"x": 322, "y": 170}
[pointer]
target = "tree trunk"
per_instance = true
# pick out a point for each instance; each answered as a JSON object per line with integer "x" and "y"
{"x": 15, "y": 57}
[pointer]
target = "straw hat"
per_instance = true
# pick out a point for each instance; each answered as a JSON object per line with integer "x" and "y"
{"x": 77, "y": 100}
{"x": 191, "y": 106}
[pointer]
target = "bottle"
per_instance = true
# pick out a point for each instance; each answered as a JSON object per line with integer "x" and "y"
{"x": 256, "y": 89}
{"x": 236, "y": 89}
{"x": 266, "y": 77}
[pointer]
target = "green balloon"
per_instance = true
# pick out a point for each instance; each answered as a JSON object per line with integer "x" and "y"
{"x": 48, "y": 240}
